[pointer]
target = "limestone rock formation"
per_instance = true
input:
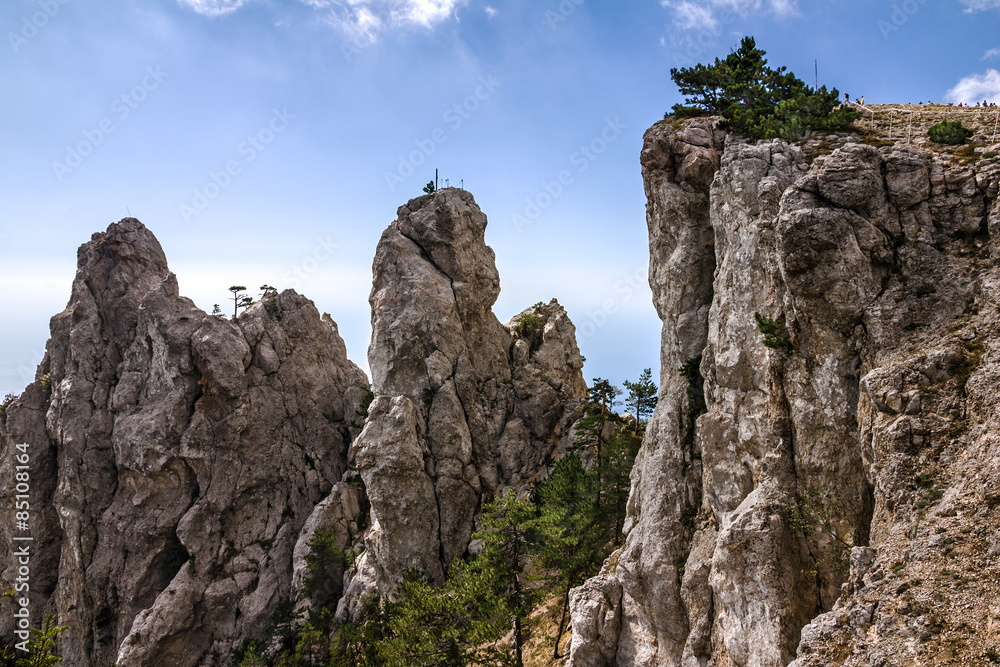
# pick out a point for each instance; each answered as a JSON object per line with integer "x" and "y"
{"x": 176, "y": 457}
{"x": 843, "y": 315}
{"x": 464, "y": 406}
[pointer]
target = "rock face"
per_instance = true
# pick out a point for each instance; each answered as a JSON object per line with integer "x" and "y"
{"x": 176, "y": 457}
{"x": 464, "y": 406}
{"x": 847, "y": 458}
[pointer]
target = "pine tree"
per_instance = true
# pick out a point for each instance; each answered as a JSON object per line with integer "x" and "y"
{"x": 41, "y": 646}
{"x": 641, "y": 395}
{"x": 570, "y": 528}
{"x": 360, "y": 643}
{"x": 615, "y": 476}
{"x": 509, "y": 524}
{"x": 758, "y": 101}
{"x": 598, "y": 413}
{"x": 313, "y": 647}
{"x": 324, "y": 566}
{"x": 239, "y": 299}
{"x": 455, "y": 625}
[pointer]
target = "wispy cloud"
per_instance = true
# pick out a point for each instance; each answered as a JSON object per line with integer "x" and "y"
{"x": 992, "y": 53}
{"x": 692, "y": 16}
{"x": 214, "y": 7}
{"x": 704, "y": 14}
{"x": 490, "y": 11}
{"x": 980, "y": 5}
{"x": 976, "y": 88}
{"x": 366, "y": 17}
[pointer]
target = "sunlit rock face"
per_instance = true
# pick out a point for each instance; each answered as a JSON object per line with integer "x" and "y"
{"x": 839, "y": 469}
{"x": 464, "y": 405}
{"x": 176, "y": 456}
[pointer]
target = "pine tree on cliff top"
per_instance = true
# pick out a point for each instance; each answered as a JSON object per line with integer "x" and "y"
{"x": 758, "y": 101}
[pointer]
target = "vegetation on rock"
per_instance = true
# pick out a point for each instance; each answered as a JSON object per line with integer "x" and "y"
{"x": 7, "y": 400}
{"x": 774, "y": 337}
{"x": 949, "y": 132}
{"x": 758, "y": 101}
{"x": 533, "y": 548}
{"x": 696, "y": 407}
{"x": 641, "y": 395}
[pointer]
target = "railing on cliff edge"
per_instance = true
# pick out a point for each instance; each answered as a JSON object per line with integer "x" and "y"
{"x": 950, "y": 110}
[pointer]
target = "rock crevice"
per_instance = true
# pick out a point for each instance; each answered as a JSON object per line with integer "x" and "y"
{"x": 463, "y": 409}
{"x": 804, "y": 288}
{"x": 178, "y": 456}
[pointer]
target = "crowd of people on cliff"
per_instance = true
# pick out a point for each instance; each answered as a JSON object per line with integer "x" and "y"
{"x": 984, "y": 104}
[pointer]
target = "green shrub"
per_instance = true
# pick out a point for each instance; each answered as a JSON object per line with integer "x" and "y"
{"x": 251, "y": 657}
{"x": 691, "y": 370}
{"x": 530, "y": 327}
{"x": 949, "y": 132}
{"x": 683, "y": 111}
{"x": 7, "y": 400}
{"x": 47, "y": 384}
{"x": 362, "y": 410}
{"x": 41, "y": 646}
{"x": 773, "y": 334}
{"x": 324, "y": 565}
{"x": 530, "y": 324}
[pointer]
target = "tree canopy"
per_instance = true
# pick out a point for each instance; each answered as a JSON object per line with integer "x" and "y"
{"x": 641, "y": 395}
{"x": 758, "y": 101}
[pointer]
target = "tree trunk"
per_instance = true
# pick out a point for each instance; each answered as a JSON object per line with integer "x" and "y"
{"x": 562, "y": 620}
{"x": 517, "y": 625}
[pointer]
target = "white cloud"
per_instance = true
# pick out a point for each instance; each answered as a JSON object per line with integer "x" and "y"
{"x": 356, "y": 17}
{"x": 490, "y": 11}
{"x": 705, "y": 14}
{"x": 992, "y": 53}
{"x": 785, "y": 7}
{"x": 976, "y": 88}
{"x": 367, "y": 18}
{"x": 214, "y": 7}
{"x": 980, "y": 5}
{"x": 692, "y": 16}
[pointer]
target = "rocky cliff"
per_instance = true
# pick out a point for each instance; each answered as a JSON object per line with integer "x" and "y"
{"x": 175, "y": 458}
{"x": 464, "y": 406}
{"x": 181, "y": 462}
{"x": 821, "y": 484}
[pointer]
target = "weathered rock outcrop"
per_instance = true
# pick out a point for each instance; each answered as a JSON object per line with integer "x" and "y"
{"x": 847, "y": 457}
{"x": 176, "y": 457}
{"x": 464, "y": 406}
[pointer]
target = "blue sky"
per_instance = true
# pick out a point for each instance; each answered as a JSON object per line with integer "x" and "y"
{"x": 271, "y": 141}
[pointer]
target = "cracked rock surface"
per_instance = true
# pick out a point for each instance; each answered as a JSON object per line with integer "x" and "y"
{"x": 836, "y": 502}
{"x": 176, "y": 457}
{"x": 464, "y": 406}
